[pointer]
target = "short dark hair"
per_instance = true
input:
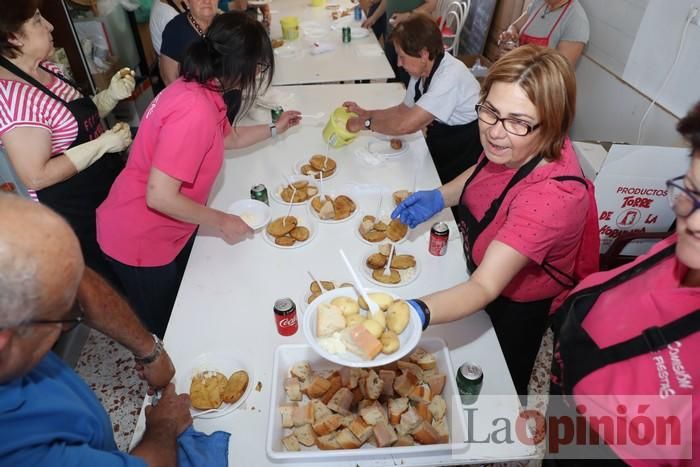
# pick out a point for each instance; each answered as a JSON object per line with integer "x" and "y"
{"x": 14, "y": 14}
{"x": 233, "y": 50}
{"x": 689, "y": 127}
{"x": 416, "y": 33}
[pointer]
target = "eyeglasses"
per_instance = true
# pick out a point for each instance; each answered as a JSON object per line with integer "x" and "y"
{"x": 67, "y": 325}
{"x": 683, "y": 201}
{"x": 511, "y": 125}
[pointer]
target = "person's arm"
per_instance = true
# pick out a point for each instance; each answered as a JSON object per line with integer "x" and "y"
{"x": 452, "y": 190}
{"x": 501, "y": 263}
{"x": 169, "y": 69}
{"x": 163, "y": 195}
{"x": 370, "y": 21}
{"x": 29, "y": 151}
{"x": 512, "y": 32}
{"x": 427, "y": 7}
{"x": 164, "y": 423}
{"x": 106, "y": 311}
{"x": 394, "y": 121}
{"x": 242, "y": 137}
{"x": 571, "y": 50}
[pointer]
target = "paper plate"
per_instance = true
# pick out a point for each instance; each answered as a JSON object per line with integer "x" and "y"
{"x": 386, "y": 219}
{"x": 304, "y": 221}
{"x": 407, "y": 275}
{"x": 358, "y": 32}
{"x": 333, "y": 194}
{"x": 408, "y": 338}
{"x": 383, "y": 148}
{"x": 301, "y": 162}
{"x": 275, "y": 193}
{"x": 288, "y": 51}
{"x": 223, "y": 362}
{"x": 253, "y": 212}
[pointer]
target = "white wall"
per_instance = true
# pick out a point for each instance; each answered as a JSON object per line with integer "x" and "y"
{"x": 633, "y": 44}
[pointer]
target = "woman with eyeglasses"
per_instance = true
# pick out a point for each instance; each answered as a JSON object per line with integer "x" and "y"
{"x": 523, "y": 208}
{"x": 146, "y": 225}
{"x": 635, "y": 331}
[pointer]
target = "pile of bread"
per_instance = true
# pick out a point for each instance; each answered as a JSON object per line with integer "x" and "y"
{"x": 338, "y": 208}
{"x": 377, "y": 263}
{"x": 297, "y": 192}
{"x": 345, "y": 408}
{"x": 340, "y": 327}
{"x": 286, "y": 231}
{"x": 209, "y": 389}
{"x": 376, "y": 230}
{"x": 319, "y": 165}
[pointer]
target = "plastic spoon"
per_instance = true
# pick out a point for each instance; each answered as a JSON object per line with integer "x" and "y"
{"x": 204, "y": 412}
{"x": 316, "y": 115}
{"x": 316, "y": 281}
{"x": 328, "y": 149}
{"x": 387, "y": 268}
{"x": 320, "y": 186}
{"x": 379, "y": 206}
{"x": 373, "y": 307}
{"x": 291, "y": 203}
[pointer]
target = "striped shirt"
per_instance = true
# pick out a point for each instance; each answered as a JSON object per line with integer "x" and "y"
{"x": 24, "y": 105}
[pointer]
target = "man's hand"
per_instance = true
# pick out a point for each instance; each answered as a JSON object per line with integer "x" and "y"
{"x": 355, "y": 124}
{"x": 354, "y": 108}
{"x": 171, "y": 413}
{"x": 287, "y": 120}
{"x": 157, "y": 373}
{"x": 398, "y": 18}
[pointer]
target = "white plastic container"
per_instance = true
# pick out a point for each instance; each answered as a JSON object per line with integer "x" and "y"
{"x": 287, "y": 355}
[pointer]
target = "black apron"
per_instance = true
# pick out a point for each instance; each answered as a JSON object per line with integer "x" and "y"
{"x": 576, "y": 355}
{"x": 518, "y": 325}
{"x": 454, "y": 148}
{"x": 77, "y": 197}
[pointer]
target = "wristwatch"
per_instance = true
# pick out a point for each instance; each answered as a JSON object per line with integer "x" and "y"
{"x": 368, "y": 124}
{"x": 151, "y": 357}
{"x": 273, "y": 130}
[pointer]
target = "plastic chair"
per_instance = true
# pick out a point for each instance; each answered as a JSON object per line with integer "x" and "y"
{"x": 451, "y": 23}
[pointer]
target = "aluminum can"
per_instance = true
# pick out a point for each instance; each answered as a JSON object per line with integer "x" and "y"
{"x": 439, "y": 235}
{"x": 358, "y": 13}
{"x": 347, "y": 34}
{"x": 470, "y": 378}
{"x": 276, "y": 113}
{"x": 286, "y": 316}
{"x": 259, "y": 192}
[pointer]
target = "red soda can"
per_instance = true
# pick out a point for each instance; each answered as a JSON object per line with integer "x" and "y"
{"x": 286, "y": 316}
{"x": 439, "y": 234}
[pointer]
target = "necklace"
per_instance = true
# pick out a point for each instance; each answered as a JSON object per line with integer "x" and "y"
{"x": 194, "y": 24}
{"x": 548, "y": 10}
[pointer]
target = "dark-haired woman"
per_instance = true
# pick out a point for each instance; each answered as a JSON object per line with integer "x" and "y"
{"x": 51, "y": 132}
{"x": 147, "y": 223}
{"x": 441, "y": 96}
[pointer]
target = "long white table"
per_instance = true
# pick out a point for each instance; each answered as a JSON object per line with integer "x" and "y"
{"x": 227, "y": 294}
{"x": 361, "y": 59}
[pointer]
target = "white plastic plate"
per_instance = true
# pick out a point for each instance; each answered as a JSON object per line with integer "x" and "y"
{"x": 253, "y": 212}
{"x": 407, "y": 275}
{"x": 304, "y": 220}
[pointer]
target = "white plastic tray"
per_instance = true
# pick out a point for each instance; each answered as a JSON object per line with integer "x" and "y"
{"x": 288, "y": 355}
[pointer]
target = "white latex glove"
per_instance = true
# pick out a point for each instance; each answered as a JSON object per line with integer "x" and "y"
{"x": 114, "y": 140}
{"x": 120, "y": 87}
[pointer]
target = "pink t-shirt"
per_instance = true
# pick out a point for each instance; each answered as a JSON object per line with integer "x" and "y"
{"x": 541, "y": 218}
{"x": 182, "y": 134}
{"x": 653, "y": 298}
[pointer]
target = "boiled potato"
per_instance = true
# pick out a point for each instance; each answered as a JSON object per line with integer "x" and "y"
{"x": 352, "y": 320}
{"x": 373, "y": 327}
{"x": 397, "y": 316}
{"x": 390, "y": 342}
{"x": 380, "y": 317}
{"x": 381, "y": 299}
{"x": 347, "y": 305}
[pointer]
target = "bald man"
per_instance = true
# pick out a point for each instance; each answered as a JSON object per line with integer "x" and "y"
{"x": 48, "y": 415}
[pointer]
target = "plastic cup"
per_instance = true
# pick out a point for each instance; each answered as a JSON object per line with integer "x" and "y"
{"x": 290, "y": 28}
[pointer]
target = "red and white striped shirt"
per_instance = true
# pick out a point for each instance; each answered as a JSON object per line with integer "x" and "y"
{"x": 24, "y": 105}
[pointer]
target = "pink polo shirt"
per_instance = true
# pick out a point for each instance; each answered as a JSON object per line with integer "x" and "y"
{"x": 182, "y": 134}
{"x": 541, "y": 218}
{"x": 653, "y": 298}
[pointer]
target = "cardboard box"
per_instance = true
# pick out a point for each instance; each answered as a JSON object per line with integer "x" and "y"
{"x": 631, "y": 190}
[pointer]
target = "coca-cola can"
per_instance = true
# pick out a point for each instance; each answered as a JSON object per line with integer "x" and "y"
{"x": 439, "y": 234}
{"x": 286, "y": 316}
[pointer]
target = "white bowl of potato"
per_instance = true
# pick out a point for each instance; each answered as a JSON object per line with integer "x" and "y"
{"x": 338, "y": 328}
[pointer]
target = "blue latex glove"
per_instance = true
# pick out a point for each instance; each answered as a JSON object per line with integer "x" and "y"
{"x": 419, "y": 207}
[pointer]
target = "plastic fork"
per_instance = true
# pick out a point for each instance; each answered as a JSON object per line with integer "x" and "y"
{"x": 387, "y": 268}
{"x": 373, "y": 307}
